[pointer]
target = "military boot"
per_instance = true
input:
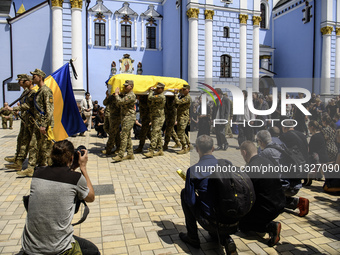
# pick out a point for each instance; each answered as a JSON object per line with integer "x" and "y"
{"x": 28, "y": 172}
{"x": 17, "y": 165}
{"x": 159, "y": 153}
{"x": 149, "y": 154}
{"x": 177, "y": 145}
{"x": 117, "y": 158}
{"x": 10, "y": 159}
{"x": 183, "y": 151}
{"x": 105, "y": 152}
{"x": 138, "y": 150}
{"x": 165, "y": 147}
{"x": 127, "y": 157}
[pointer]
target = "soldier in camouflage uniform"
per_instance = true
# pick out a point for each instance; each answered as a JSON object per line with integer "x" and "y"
{"x": 170, "y": 119}
{"x": 157, "y": 99}
{"x": 128, "y": 116}
{"x": 6, "y": 115}
{"x": 40, "y": 146}
{"x": 114, "y": 121}
{"x": 183, "y": 117}
{"x": 12, "y": 159}
{"x": 26, "y": 128}
{"x": 144, "y": 106}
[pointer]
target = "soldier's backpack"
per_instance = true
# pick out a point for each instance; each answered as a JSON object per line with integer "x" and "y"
{"x": 234, "y": 192}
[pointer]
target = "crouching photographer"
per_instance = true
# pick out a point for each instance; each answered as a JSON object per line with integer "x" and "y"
{"x": 52, "y": 202}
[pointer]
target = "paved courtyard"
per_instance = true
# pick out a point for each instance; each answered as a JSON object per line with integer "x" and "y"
{"x": 138, "y": 210}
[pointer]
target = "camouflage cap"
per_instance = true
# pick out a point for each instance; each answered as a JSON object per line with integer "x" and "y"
{"x": 186, "y": 86}
{"x": 26, "y": 77}
{"x": 128, "y": 82}
{"x": 20, "y": 76}
{"x": 38, "y": 72}
{"x": 160, "y": 85}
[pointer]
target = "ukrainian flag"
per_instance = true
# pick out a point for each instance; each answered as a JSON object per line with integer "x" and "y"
{"x": 67, "y": 120}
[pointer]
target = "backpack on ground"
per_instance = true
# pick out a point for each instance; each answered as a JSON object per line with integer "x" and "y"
{"x": 234, "y": 191}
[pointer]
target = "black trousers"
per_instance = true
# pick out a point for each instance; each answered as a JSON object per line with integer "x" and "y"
{"x": 245, "y": 134}
{"x": 220, "y": 135}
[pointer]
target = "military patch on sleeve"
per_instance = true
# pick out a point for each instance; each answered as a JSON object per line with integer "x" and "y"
{"x": 51, "y": 99}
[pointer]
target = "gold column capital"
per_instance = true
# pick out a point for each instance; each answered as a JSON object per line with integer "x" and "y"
{"x": 243, "y": 18}
{"x": 209, "y": 14}
{"x": 57, "y": 3}
{"x": 266, "y": 57}
{"x": 256, "y": 20}
{"x": 193, "y": 13}
{"x": 337, "y": 31}
{"x": 76, "y": 4}
{"x": 326, "y": 30}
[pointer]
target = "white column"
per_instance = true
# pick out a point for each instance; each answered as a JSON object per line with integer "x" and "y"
{"x": 90, "y": 29}
{"x": 208, "y": 46}
{"x": 110, "y": 39}
{"x": 192, "y": 14}
{"x": 256, "y": 53}
{"x": 142, "y": 34}
{"x": 243, "y": 50}
{"x": 160, "y": 35}
{"x": 337, "y": 63}
{"x": 135, "y": 28}
{"x": 77, "y": 52}
{"x": 117, "y": 41}
{"x": 326, "y": 60}
{"x": 57, "y": 37}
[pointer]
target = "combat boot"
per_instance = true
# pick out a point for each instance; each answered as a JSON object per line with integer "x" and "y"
{"x": 149, "y": 154}
{"x": 183, "y": 151}
{"x": 138, "y": 150}
{"x": 127, "y": 157}
{"x": 165, "y": 147}
{"x": 117, "y": 158}
{"x": 105, "y": 152}
{"x": 10, "y": 159}
{"x": 159, "y": 153}
{"x": 28, "y": 172}
{"x": 177, "y": 145}
{"x": 17, "y": 165}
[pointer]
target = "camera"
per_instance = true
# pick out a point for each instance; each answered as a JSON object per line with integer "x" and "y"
{"x": 75, "y": 163}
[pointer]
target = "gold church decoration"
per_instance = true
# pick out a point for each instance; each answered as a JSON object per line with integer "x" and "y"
{"x": 57, "y": 3}
{"x": 243, "y": 18}
{"x": 326, "y": 30}
{"x": 209, "y": 14}
{"x": 100, "y": 16}
{"x": 76, "y": 4}
{"x": 126, "y": 19}
{"x": 337, "y": 30}
{"x": 256, "y": 20}
{"x": 193, "y": 13}
{"x": 151, "y": 21}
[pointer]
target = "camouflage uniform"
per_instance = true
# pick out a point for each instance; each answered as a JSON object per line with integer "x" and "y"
{"x": 183, "y": 117}
{"x": 144, "y": 106}
{"x": 40, "y": 146}
{"x": 106, "y": 119}
{"x": 114, "y": 120}
{"x": 128, "y": 117}
{"x": 157, "y": 119}
{"x": 5, "y": 113}
{"x": 170, "y": 119}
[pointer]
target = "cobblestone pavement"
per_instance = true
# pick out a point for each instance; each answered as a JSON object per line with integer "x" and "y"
{"x": 144, "y": 214}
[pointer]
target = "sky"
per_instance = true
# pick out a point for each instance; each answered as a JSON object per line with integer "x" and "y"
{"x": 28, "y": 4}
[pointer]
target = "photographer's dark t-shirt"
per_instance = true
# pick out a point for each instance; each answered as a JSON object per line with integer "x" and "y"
{"x": 48, "y": 228}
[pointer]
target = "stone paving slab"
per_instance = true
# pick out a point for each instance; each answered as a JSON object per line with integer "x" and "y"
{"x": 144, "y": 214}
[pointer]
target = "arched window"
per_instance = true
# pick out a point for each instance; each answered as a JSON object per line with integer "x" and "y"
{"x": 225, "y": 66}
{"x": 263, "y": 16}
{"x": 226, "y": 32}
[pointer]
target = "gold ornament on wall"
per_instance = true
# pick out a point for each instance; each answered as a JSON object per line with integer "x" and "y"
{"x": 57, "y": 3}
{"x": 243, "y": 18}
{"x": 100, "y": 17}
{"x": 193, "y": 13}
{"x": 326, "y": 30}
{"x": 337, "y": 31}
{"x": 209, "y": 14}
{"x": 256, "y": 20}
{"x": 76, "y": 4}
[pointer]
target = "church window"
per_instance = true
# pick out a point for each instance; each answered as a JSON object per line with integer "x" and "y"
{"x": 263, "y": 16}
{"x": 150, "y": 37}
{"x": 225, "y": 66}
{"x": 307, "y": 13}
{"x": 226, "y": 32}
{"x": 126, "y": 36}
{"x": 99, "y": 34}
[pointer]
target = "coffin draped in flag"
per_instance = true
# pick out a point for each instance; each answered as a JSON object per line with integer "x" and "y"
{"x": 67, "y": 120}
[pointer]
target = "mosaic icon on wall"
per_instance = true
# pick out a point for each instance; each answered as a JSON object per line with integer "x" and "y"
{"x": 126, "y": 64}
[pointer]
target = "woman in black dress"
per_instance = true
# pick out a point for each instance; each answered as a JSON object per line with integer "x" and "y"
{"x": 100, "y": 123}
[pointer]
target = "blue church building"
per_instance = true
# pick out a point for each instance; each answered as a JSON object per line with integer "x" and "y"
{"x": 248, "y": 43}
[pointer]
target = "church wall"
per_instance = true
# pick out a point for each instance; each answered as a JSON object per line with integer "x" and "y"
{"x": 5, "y": 67}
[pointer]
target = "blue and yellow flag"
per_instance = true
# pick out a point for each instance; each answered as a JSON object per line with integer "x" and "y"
{"x": 67, "y": 120}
